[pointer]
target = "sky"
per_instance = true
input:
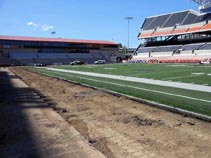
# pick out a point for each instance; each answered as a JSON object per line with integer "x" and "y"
{"x": 83, "y": 19}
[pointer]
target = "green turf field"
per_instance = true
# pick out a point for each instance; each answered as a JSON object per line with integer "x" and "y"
{"x": 195, "y": 101}
{"x": 198, "y": 74}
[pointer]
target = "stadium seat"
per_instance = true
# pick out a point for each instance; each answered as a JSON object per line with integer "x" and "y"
{"x": 194, "y": 29}
{"x": 164, "y": 33}
{"x": 206, "y": 27}
{"x": 180, "y": 31}
{"x": 146, "y": 34}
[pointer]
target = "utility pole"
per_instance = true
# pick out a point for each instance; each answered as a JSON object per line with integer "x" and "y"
{"x": 128, "y": 38}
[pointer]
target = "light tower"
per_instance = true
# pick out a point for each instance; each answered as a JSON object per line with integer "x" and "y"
{"x": 204, "y": 5}
{"x": 53, "y": 33}
{"x": 128, "y": 38}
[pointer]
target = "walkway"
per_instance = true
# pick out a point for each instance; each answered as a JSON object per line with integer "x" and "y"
{"x": 29, "y": 127}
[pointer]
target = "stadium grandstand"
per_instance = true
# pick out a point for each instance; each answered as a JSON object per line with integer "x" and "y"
{"x": 179, "y": 37}
{"x": 17, "y": 50}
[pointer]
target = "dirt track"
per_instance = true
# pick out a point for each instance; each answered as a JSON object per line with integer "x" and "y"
{"x": 121, "y": 128}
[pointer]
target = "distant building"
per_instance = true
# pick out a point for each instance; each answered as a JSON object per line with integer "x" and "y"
{"x": 29, "y": 50}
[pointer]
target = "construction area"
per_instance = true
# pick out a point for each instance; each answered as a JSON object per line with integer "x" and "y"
{"x": 48, "y": 117}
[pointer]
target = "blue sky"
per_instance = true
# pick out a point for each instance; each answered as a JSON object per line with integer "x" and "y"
{"x": 83, "y": 19}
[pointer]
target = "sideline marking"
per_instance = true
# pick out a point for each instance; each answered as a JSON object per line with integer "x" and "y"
{"x": 187, "y": 86}
{"x": 121, "y": 85}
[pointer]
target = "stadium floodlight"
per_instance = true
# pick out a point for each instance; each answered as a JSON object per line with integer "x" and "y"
{"x": 53, "y": 33}
{"x": 202, "y": 2}
{"x": 204, "y": 5}
{"x": 128, "y": 39}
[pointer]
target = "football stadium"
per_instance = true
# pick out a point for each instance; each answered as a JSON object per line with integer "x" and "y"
{"x": 179, "y": 37}
{"x": 76, "y": 98}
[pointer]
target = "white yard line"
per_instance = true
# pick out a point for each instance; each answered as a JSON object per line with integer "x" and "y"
{"x": 187, "y": 86}
{"x": 170, "y": 78}
{"x": 192, "y": 75}
{"x": 144, "y": 89}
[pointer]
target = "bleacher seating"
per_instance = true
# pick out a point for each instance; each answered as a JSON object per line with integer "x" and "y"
{"x": 176, "y": 18}
{"x": 202, "y": 18}
{"x": 5, "y": 61}
{"x": 190, "y": 53}
{"x": 190, "y": 19}
{"x": 147, "y": 23}
{"x": 27, "y": 61}
{"x": 168, "y": 48}
{"x": 162, "y": 32}
{"x": 79, "y": 55}
{"x": 158, "y": 21}
{"x": 191, "y": 47}
{"x": 51, "y": 55}
{"x": 146, "y": 34}
{"x": 206, "y": 46}
{"x": 179, "y": 30}
{"x": 206, "y": 27}
{"x": 56, "y": 58}
{"x": 161, "y": 54}
{"x": 146, "y": 49}
{"x": 185, "y": 52}
{"x": 180, "y": 37}
{"x": 97, "y": 55}
{"x": 170, "y": 20}
{"x": 203, "y": 52}
{"x": 177, "y": 23}
{"x": 18, "y": 55}
{"x": 144, "y": 55}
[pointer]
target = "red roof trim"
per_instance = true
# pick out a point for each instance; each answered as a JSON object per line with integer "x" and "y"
{"x": 43, "y": 39}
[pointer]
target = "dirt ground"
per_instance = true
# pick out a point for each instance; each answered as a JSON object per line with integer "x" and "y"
{"x": 119, "y": 127}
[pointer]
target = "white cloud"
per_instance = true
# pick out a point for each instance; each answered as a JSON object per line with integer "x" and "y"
{"x": 42, "y": 27}
{"x": 46, "y": 27}
{"x": 32, "y": 24}
{"x": 29, "y": 23}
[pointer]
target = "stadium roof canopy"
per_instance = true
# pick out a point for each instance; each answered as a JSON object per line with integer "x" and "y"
{"x": 170, "y": 19}
{"x": 41, "y": 39}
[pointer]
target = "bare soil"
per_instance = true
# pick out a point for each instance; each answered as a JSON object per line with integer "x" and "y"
{"x": 119, "y": 127}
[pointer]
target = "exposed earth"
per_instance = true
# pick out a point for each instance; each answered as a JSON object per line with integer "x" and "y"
{"x": 119, "y": 127}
